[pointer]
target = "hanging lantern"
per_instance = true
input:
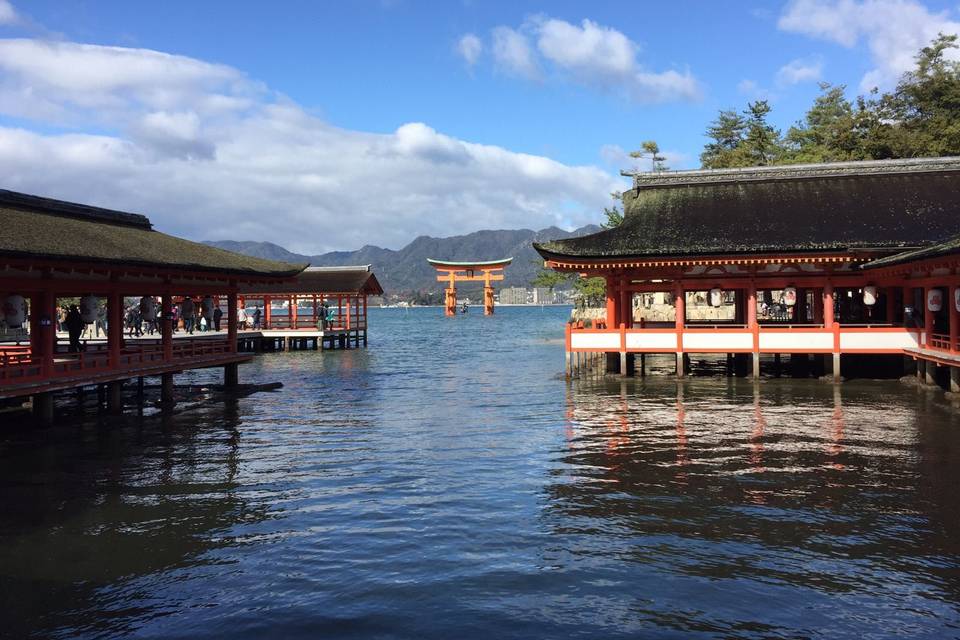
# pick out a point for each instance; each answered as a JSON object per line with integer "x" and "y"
{"x": 206, "y": 308}
{"x": 716, "y": 297}
{"x": 869, "y": 295}
{"x": 15, "y": 311}
{"x": 790, "y": 296}
{"x": 934, "y": 300}
{"x": 148, "y": 308}
{"x": 89, "y": 307}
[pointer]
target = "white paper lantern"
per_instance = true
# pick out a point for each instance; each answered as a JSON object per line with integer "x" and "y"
{"x": 716, "y": 297}
{"x": 206, "y": 308}
{"x": 15, "y": 311}
{"x": 870, "y": 295}
{"x": 148, "y": 308}
{"x": 790, "y": 296}
{"x": 89, "y": 307}
{"x": 934, "y": 300}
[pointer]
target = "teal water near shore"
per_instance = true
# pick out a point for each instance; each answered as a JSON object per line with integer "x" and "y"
{"x": 447, "y": 482}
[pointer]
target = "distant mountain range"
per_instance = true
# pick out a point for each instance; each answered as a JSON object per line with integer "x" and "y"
{"x": 407, "y": 271}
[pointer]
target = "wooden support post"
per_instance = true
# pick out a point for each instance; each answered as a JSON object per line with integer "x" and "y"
{"x": 680, "y": 317}
{"x": 953, "y": 298}
{"x": 43, "y": 408}
{"x": 268, "y": 311}
{"x": 754, "y": 326}
{"x": 114, "y": 328}
{"x": 955, "y": 379}
{"x": 231, "y": 375}
{"x": 166, "y": 388}
{"x": 928, "y": 319}
{"x": 931, "y": 373}
{"x": 232, "y": 314}
{"x": 611, "y": 294}
{"x": 115, "y": 397}
{"x": 166, "y": 326}
{"x": 365, "y": 329}
{"x": 921, "y": 370}
{"x": 829, "y": 322}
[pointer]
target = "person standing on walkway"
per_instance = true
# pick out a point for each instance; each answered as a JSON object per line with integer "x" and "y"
{"x": 256, "y": 317}
{"x": 217, "y": 316}
{"x": 74, "y": 325}
{"x": 187, "y": 309}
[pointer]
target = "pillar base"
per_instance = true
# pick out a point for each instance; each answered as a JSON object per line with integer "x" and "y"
{"x": 955, "y": 379}
{"x": 231, "y": 375}
{"x": 43, "y": 408}
{"x": 755, "y": 362}
{"x": 836, "y": 367}
{"x": 166, "y": 389}
{"x": 115, "y": 397}
{"x": 681, "y": 365}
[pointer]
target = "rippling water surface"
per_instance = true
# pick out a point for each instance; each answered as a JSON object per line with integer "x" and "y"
{"x": 448, "y": 483}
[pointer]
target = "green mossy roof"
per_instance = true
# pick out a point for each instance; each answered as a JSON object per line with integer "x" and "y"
{"x": 771, "y": 210}
{"x": 949, "y": 247}
{"x": 43, "y": 229}
{"x": 353, "y": 280}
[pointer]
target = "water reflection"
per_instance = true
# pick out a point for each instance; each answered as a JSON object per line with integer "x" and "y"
{"x": 810, "y": 497}
{"x": 89, "y": 509}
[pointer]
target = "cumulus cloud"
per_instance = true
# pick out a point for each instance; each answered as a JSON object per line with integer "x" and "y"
{"x": 591, "y": 55}
{"x": 470, "y": 47}
{"x": 800, "y": 70}
{"x": 8, "y": 14}
{"x": 893, "y": 30}
{"x": 209, "y": 153}
{"x": 513, "y": 54}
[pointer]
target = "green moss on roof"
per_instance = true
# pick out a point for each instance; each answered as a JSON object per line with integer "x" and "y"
{"x": 74, "y": 236}
{"x": 764, "y": 212}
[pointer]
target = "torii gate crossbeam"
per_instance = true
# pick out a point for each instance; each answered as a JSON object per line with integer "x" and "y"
{"x": 454, "y": 272}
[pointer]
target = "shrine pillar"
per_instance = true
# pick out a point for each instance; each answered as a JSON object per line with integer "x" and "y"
{"x": 754, "y": 328}
{"x": 487, "y": 294}
{"x": 679, "y": 303}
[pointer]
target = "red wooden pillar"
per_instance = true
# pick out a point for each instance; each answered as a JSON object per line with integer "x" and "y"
{"x": 340, "y": 310}
{"x": 316, "y": 320}
{"x": 267, "y": 306}
{"x": 43, "y": 329}
{"x": 611, "y": 294}
{"x": 348, "y": 314}
{"x": 953, "y": 298}
{"x": 828, "y": 318}
{"x": 754, "y": 327}
{"x": 928, "y": 319}
{"x": 232, "y": 303}
{"x": 891, "y": 305}
{"x": 293, "y": 311}
{"x": 680, "y": 317}
{"x": 114, "y": 327}
{"x": 626, "y": 305}
{"x": 166, "y": 326}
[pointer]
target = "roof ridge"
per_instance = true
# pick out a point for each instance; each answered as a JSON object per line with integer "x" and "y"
{"x": 63, "y": 208}
{"x": 647, "y": 179}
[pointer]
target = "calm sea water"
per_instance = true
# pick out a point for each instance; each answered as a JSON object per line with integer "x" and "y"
{"x": 448, "y": 483}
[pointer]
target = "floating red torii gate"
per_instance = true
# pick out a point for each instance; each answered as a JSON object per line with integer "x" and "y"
{"x": 453, "y": 272}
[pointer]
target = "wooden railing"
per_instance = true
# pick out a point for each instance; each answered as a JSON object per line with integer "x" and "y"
{"x": 942, "y": 342}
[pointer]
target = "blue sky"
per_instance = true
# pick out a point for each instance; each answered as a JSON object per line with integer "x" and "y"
{"x": 329, "y": 125}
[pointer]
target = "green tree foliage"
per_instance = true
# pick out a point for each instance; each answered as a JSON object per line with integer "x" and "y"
{"x": 613, "y": 214}
{"x": 650, "y": 150}
{"x": 591, "y": 292}
{"x": 920, "y": 118}
{"x": 550, "y": 279}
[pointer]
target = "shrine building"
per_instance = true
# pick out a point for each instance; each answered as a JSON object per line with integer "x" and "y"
{"x": 834, "y": 261}
{"x": 54, "y": 254}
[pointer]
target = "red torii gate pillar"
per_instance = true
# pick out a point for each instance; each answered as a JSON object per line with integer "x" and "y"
{"x": 453, "y": 272}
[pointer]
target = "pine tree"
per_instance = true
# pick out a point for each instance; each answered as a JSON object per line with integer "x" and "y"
{"x": 727, "y": 133}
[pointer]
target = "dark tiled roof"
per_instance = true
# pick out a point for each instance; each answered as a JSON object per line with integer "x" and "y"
{"x": 329, "y": 280}
{"x": 40, "y": 228}
{"x": 801, "y": 208}
{"x": 951, "y": 246}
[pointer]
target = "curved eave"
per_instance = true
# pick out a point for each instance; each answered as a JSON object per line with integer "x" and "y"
{"x": 469, "y": 265}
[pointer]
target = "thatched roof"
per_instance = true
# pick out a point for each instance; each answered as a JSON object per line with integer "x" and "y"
{"x": 950, "y": 247}
{"x": 887, "y": 204}
{"x": 43, "y": 229}
{"x": 352, "y": 280}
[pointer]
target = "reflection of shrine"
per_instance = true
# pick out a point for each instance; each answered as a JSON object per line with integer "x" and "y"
{"x": 720, "y": 462}
{"x": 454, "y": 272}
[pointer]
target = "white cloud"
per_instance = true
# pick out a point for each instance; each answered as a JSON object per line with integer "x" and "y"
{"x": 513, "y": 54}
{"x": 800, "y": 70}
{"x": 8, "y": 14}
{"x": 894, "y": 31}
{"x": 470, "y": 47}
{"x": 210, "y": 154}
{"x": 591, "y": 55}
